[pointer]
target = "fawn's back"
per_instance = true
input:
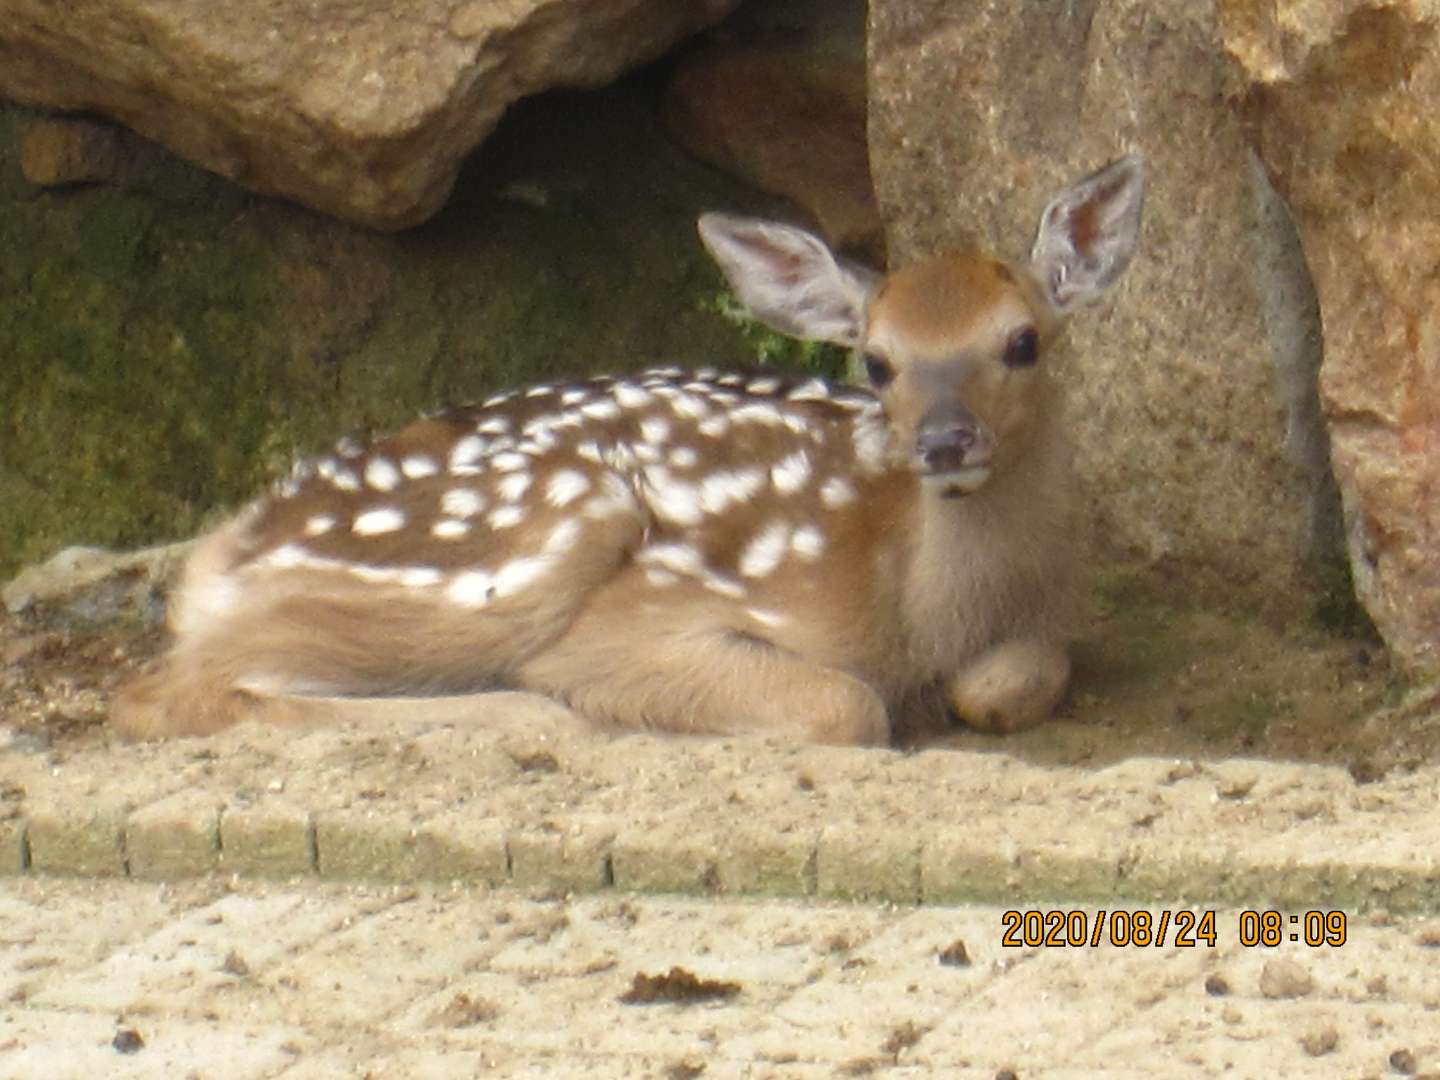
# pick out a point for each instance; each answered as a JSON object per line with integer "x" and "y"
{"x": 697, "y": 551}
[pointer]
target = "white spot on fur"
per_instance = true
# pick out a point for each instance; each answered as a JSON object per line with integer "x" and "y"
{"x": 655, "y": 429}
{"x": 759, "y": 412}
{"x": 715, "y": 427}
{"x": 718, "y": 583}
{"x": 473, "y": 588}
{"x": 677, "y": 558}
{"x": 630, "y": 396}
{"x": 808, "y": 542}
{"x": 420, "y": 577}
{"x": 684, "y": 457}
{"x": 345, "y": 480}
{"x": 731, "y": 379}
{"x": 689, "y": 407}
{"x": 419, "y": 466}
{"x": 765, "y": 551}
{"x": 565, "y": 486}
{"x": 872, "y": 442}
{"x": 673, "y": 500}
{"x": 497, "y": 399}
{"x": 720, "y": 490}
{"x": 462, "y": 502}
{"x": 814, "y": 390}
{"x": 837, "y": 492}
{"x": 349, "y": 447}
{"x": 466, "y": 452}
{"x": 797, "y": 423}
{"x": 383, "y": 519}
{"x": 493, "y": 425}
{"x": 574, "y": 396}
{"x": 539, "y": 391}
{"x": 601, "y": 410}
{"x": 449, "y": 529}
{"x": 381, "y": 474}
{"x": 660, "y": 578}
{"x": 288, "y": 557}
{"x": 792, "y": 474}
{"x": 505, "y": 517}
{"x": 510, "y": 462}
{"x": 513, "y": 487}
{"x": 519, "y": 574}
{"x": 590, "y": 451}
{"x": 763, "y": 386}
{"x": 766, "y": 618}
{"x": 319, "y": 525}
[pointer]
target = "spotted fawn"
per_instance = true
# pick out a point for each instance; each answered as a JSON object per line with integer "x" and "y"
{"x": 692, "y": 551}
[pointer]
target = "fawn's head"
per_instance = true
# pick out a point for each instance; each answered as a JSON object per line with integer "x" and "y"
{"x": 954, "y": 344}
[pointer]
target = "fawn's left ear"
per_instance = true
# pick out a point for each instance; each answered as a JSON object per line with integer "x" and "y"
{"x": 1087, "y": 234}
{"x": 788, "y": 279}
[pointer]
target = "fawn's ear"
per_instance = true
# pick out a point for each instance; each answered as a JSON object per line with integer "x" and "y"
{"x": 1087, "y": 234}
{"x": 788, "y": 279}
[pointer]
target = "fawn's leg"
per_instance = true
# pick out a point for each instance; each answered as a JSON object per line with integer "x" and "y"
{"x": 1013, "y": 686}
{"x": 688, "y": 667}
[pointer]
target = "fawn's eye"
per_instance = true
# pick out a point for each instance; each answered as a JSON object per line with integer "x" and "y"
{"x": 878, "y": 371}
{"x": 1023, "y": 349}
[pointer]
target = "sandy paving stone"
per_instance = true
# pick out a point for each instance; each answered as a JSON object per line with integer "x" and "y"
{"x": 272, "y": 838}
{"x": 177, "y": 837}
{"x": 83, "y": 839}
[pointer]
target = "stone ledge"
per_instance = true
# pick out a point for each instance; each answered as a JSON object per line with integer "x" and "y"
{"x": 727, "y": 817}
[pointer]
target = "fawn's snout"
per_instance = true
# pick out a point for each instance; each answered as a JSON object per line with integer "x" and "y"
{"x": 953, "y": 449}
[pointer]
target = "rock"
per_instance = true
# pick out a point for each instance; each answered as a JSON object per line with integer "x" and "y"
{"x": 94, "y": 585}
{"x": 1285, "y": 979}
{"x": 56, "y": 152}
{"x": 791, "y": 121}
{"x": 1343, "y": 102}
{"x": 361, "y": 109}
{"x": 1193, "y": 405}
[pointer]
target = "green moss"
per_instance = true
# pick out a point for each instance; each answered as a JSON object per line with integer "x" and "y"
{"x": 168, "y": 347}
{"x": 774, "y": 349}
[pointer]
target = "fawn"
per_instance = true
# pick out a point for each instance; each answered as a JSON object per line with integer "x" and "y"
{"x": 693, "y": 552}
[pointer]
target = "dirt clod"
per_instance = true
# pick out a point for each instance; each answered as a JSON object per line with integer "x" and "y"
{"x": 1403, "y": 1062}
{"x": 1216, "y": 986}
{"x": 234, "y": 964}
{"x": 902, "y": 1038}
{"x": 955, "y": 954}
{"x": 127, "y": 1041}
{"x": 1320, "y": 1041}
{"x": 463, "y": 1011}
{"x": 1282, "y": 978}
{"x": 678, "y": 986}
{"x": 683, "y": 1070}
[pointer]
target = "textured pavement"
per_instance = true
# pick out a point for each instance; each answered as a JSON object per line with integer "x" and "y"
{"x": 453, "y": 902}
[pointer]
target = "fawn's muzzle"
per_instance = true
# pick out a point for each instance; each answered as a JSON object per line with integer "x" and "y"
{"x": 953, "y": 449}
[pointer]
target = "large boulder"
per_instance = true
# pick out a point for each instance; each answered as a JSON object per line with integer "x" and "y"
{"x": 355, "y": 107}
{"x": 1193, "y": 404}
{"x": 1343, "y": 98}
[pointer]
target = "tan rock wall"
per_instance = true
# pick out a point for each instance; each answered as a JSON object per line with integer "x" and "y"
{"x": 1343, "y": 101}
{"x": 1193, "y": 406}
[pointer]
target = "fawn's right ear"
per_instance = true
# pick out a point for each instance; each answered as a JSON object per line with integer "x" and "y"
{"x": 788, "y": 279}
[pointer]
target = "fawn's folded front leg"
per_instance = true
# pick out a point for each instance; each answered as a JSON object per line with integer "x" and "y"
{"x": 681, "y": 670}
{"x": 1013, "y": 686}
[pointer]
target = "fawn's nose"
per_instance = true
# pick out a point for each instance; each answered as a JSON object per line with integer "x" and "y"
{"x": 953, "y": 448}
